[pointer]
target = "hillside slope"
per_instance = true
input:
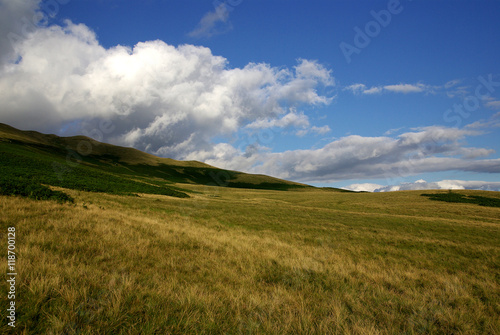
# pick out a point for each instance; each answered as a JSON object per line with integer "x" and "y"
{"x": 80, "y": 143}
{"x": 51, "y": 158}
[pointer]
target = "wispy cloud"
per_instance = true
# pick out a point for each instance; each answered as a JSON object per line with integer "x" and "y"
{"x": 397, "y": 88}
{"x": 373, "y": 90}
{"x": 392, "y": 131}
{"x": 213, "y": 23}
{"x": 313, "y": 130}
{"x": 492, "y": 122}
{"x": 495, "y": 104}
{"x": 292, "y": 119}
{"x": 452, "y": 83}
{"x": 356, "y": 88}
{"x": 454, "y": 89}
{"x": 406, "y": 88}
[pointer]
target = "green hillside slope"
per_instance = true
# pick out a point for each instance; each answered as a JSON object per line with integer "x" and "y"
{"x": 82, "y": 163}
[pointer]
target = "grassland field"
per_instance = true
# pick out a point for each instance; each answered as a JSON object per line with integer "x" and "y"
{"x": 240, "y": 261}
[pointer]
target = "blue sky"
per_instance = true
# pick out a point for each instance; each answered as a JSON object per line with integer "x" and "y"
{"x": 360, "y": 94}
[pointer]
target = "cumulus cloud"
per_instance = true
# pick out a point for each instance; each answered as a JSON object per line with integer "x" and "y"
{"x": 213, "y": 23}
{"x": 311, "y": 70}
{"x": 364, "y": 187}
{"x": 423, "y": 185}
{"x": 167, "y": 100}
{"x": 429, "y": 149}
{"x": 17, "y": 20}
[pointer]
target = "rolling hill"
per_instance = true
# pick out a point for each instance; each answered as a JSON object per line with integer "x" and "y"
{"x": 80, "y": 162}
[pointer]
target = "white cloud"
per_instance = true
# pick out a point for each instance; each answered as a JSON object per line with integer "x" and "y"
{"x": 373, "y": 90}
{"x": 168, "y": 100}
{"x": 423, "y": 185}
{"x": 364, "y": 187}
{"x": 392, "y": 131}
{"x": 17, "y": 20}
{"x": 399, "y": 88}
{"x": 313, "y": 71}
{"x": 429, "y": 149}
{"x": 452, "y": 89}
{"x": 356, "y": 88}
{"x": 362, "y": 89}
{"x": 292, "y": 119}
{"x": 492, "y": 122}
{"x": 213, "y": 23}
{"x": 405, "y": 88}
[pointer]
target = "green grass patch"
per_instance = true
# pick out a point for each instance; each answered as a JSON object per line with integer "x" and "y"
{"x": 62, "y": 167}
{"x": 30, "y": 189}
{"x": 23, "y": 163}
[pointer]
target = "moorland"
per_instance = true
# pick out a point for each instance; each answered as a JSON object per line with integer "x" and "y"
{"x": 115, "y": 241}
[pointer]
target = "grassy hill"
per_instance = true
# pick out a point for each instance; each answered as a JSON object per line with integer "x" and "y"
{"x": 82, "y": 163}
{"x": 229, "y": 260}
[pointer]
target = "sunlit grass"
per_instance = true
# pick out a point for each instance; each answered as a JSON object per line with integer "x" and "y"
{"x": 255, "y": 262}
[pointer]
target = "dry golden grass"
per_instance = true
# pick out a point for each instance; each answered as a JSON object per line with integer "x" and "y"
{"x": 255, "y": 262}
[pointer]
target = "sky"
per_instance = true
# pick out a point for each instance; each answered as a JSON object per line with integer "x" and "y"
{"x": 365, "y": 95}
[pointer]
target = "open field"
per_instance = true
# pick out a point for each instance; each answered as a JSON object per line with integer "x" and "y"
{"x": 242, "y": 261}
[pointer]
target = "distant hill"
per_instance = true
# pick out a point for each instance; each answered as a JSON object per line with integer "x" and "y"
{"x": 80, "y": 162}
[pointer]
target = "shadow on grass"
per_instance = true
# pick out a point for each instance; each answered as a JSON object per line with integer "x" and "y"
{"x": 462, "y": 198}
